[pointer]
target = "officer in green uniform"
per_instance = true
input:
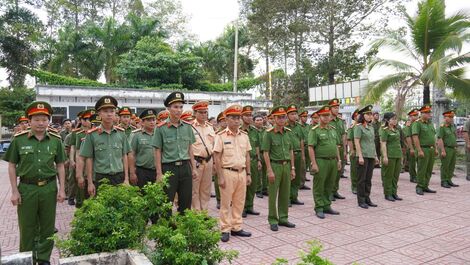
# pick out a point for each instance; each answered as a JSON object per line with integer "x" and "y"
{"x": 352, "y": 152}
{"x": 142, "y": 168}
{"x": 221, "y": 125}
{"x": 338, "y": 124}
{"x": 424, "y": 139}
{"x": 324, "y": 154}
{"x": 37, "y": 156}
{"x": 279, "y": 157}
{"x": 297, "y": 136}
{"x": 72, "y": 155}
{"x": 262, "y": 188}
{"x": 303, "y": 116}
{"x": 125, "y": 114}
{"x": 391, "y": 156}
{"x": 173, "y": 141}
{"x": 105, "y": 148}
{"x": 376, "y": 125}
{"x": 80, "y": 183}
{"x": 255, "y": 159}
{"x": 447, "y": 141}
{"x": 410, "y": 149}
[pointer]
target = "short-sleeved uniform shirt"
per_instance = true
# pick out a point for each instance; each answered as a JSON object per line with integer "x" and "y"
{"x": 448, "y": 134}
{"x": 79, "y": 139}
{"x": 233, "y": 147}
{"x": 141, "y": 146}
{"x": 106, "y": 149}
{"x": 278, "y": 143}
{"x": 425, "y": 132}
{"x": 297, "y": 135}
{"x": 306, "y": 130}
{"x": 366, "y": 135}
{"x": 64, "y": 134}
{"x": 350, "y": 135}
{"x": 206, "y": 131}
{"x": 173, "y": 141}
{"x": 325, "y": 141}
{"x": 254, "y": 136}
{"x": 392, "y": 139}
{"x": 35, "y": 159}
{"x": 338, "y": 124}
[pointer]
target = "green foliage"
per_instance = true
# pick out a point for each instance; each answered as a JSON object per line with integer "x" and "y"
{"x": 13, "y": 102}
{"x": 310, "y": 258}
{"x": 189, "y": 239}
{"x": 49, "y": 78}
{"x": 242, "y": 85}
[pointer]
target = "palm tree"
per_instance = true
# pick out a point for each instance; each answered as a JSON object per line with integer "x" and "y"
{"x": 435, "y": 48}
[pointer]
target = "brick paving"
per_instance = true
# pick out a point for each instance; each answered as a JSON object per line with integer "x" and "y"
{"x": 429, "y": 229}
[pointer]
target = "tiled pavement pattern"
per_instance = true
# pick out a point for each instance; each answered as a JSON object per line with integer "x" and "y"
{"x": 429, "y": 229}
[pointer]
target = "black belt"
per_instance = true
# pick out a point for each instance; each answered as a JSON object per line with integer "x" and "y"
{"x": 145, "y": 168}
{"x": 176, "y": 163}
{"x": 283, "y": 162}
{"x": 201, "y": 159}
{"x": 326, "y": 158}
{"x": 38, "y": 182}
{"x": 234, "y": 169}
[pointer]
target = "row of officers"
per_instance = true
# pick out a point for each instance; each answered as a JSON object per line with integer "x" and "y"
{"x": 246, "y": 158}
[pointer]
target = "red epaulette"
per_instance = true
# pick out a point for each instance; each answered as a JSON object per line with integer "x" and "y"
{"x": 161, "y": 124}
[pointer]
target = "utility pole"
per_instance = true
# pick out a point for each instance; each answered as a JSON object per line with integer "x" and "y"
{"x": 235, "y": 61}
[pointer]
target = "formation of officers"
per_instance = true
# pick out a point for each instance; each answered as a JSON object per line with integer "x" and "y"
{"x": 246, "y": 154}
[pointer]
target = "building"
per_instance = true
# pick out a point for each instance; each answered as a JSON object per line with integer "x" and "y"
{"x": 67, "y": 101}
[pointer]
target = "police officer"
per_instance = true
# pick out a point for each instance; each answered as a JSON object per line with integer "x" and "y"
{"x": 125, "y": 115}
{"x": 232, "y": 160}
{"x": 278, "y": 154}
{"x": 202, "y": 150}
{"x": 338, "y": 124}
{"x": 303, "y": 116}
{"x": 324, "y": 154}
{"x": 376, "y": 125}
{"x": 221, "y": 125}
{"x": 410, "y": 149}
{"x": 23, "y": 123}
{"x": 255, "y": 158}
{"x": 105, "y": 148}
{"x": 142, "y": 161}
{"x": 424, "y": 139}
{"x": 364, "y": 141}
{"x": 447, "y": 141}
{"x": 297, "y": 137}
{"x": 352, "y": 151}
{"x": 391, "y": 156}
{"x": 162, "y": 116}
{"x": 37, "y": 156}
{"x": 66, "y": 128}
{"x": 173, "y": 152}
{"x": 262, "y": 188}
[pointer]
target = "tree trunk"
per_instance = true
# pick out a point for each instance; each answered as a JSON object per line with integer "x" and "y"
{"x": 426, "y": 94}
{"x": 331, "y": 54}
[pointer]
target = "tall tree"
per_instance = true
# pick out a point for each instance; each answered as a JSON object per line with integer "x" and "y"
{"x": 13, "y": 102}
{"x": 435, "y": 49}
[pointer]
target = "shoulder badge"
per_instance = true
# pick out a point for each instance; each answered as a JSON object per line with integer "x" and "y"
{"x": 55, "y": 135}
{"x": 208, "y": 123}
{"x": 132, "y": 127}
{"x": 244, "y": 132}
{"x": 80, "y": 131}
{"x": 316, "y": 126}
{"x": 332, "y": 126}
{"x": 92, "y": 130}
{"x": 220, "y": 132}
{"x": 288, "y": 129}
{"x": 77, "y": 129}
{"x": 119, "y": 128}
{"x": 21, "y": 133}
{"x": 136, "y": 130}
{"x": 270, "y": 129}
{"x": 187, "y": 122}
{"x": 161, "y": 124}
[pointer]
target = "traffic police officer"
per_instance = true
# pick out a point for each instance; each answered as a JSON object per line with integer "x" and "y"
{"x": 447, "y": 140}
{"x": 173, "y": 152}
{"x": 105, "y": 148}
{"x": 142, "y": 163}
{"x": 410, "y": 149}
{"x": 324, "y": 154}
{"x": 232, "y": 160}
{"x": 255, "y": 163}
{"x": 297, "y": 137}
{"x": 37, "y": 156}
{"x": 221, "y": 125}
{"x": 338, "y": 124}
{"x": 278, "y": 154}
{"x": 424, "y": 139}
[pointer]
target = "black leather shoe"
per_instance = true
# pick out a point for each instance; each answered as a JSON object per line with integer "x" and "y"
{"x": 419, "y": 191}
{"x": 428, "y": 190}
{"x": 304, "y": 188}
{"x": 265, "y": 193}
{"x": 288, "y": 224}
{"x": 371, "y": 204}
{"x": 274, "y": 227}
{"x": 259, "y": 195}
{"x": 244, "y": 214}
{"x": 252, "y": 212}
{"x": 331, "y": 211}
{"x": 71, "y": 201}
{"x": 56, "y": 230}
{"x": 397, "y": 198}
{"x": 363, "y": 205}
{"x": 307, "y": 179}
{"x": 320, "y": 215}
{"x": 225, "y": 237}
{"x": 452, "y": 184}
{"x": 332, "y": 198}
{"x": 354, "y": 191}
{"x": 344, "y": 177}
{"x": 240, "y": 233}
{"x": 338, "y": 196}
{"x": 446, "y": 185}
{"x": 389, "y": 198}
{"x": 212, "y": 195}
{"x": 218, "y": 205}
{"x": 297, "y": 202}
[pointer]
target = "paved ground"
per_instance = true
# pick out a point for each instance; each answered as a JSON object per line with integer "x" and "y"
{"x": 429, "y": 229}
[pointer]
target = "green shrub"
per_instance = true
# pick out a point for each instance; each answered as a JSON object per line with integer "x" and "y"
{"x": 310, "y": 258}
{"x": 49, "y": 78}
{"x": 188, "y": 239}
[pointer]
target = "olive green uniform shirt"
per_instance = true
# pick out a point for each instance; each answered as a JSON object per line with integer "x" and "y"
{"x": 367, "y": 140}
{"x": 173, "y": 141}
{"x": 144, "y": 151}
{"x": 350, "y": 136}
{"x": 297, "y": 134}
{"x": 106, "y": 149}
{"x": 392, "y": 138}
{"x": 254, "y": 137}
{"x": 35, "y": 159}
{"x": 64, "y": 134}
{"x": 425, "y": 132}
{"x": 278, "y": 144}
{"x": 338, "y": 124}
{"x": 79, "y": 138}
{"x": 448, "y": 134}
{"x": 325, "y": 141}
